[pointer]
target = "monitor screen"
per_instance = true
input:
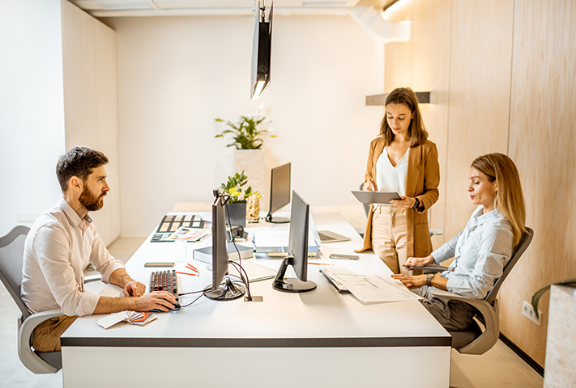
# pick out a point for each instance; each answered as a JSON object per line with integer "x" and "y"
{"x": 219, "y": 249}
{"x": 298, "y": 240}
{"x": 279, "y": 191}
{"x": 222, "y": 288}
{"x": 297, "y": 250}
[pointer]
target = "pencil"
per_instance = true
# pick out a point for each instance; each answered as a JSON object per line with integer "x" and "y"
{"x": 186, "y": 273}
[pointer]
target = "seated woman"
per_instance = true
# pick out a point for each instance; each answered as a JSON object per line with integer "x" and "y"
{"x": 481, "y": 250}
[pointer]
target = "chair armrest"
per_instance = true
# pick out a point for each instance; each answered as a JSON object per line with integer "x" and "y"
{"x": 480, "y": 304}
{"x": 491, "y": 322}
{"x": 432, "y": 268}
{"x": 92, "y": 278}
{"x": 25, "y": 330}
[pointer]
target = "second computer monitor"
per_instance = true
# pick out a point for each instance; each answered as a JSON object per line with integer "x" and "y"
{"x": 297, "y": 250}
{"x": 279, "y": 192}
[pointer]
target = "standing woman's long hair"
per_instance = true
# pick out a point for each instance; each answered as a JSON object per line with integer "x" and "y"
{"x": 509, "y": 198}
{"x": 417, "y": 132}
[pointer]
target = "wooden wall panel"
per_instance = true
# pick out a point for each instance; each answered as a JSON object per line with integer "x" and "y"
{"x": 543, "y": 144}
{"x": 423, "y": 64}
{"x": 481, "y": 56}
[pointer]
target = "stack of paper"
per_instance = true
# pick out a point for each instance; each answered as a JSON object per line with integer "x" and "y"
{"x": 368, "y": 289}
{"x": 132, "y": 317}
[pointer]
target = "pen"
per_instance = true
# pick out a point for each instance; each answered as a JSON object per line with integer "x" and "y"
{"x": 192, "y": 268}
{"x": 319, "y": 263}
{"x": 186, "y": 273}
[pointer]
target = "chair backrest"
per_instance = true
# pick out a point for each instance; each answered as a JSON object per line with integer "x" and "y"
{"x": 524, "y": 243}
{"x": 366, "y": 206}
{"x": 11, "y": 261}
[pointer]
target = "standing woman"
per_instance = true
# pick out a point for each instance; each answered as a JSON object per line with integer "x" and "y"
{"x": 401, "y": 160}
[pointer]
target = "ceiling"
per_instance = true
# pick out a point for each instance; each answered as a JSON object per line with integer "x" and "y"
{"x": 124, "y": 8}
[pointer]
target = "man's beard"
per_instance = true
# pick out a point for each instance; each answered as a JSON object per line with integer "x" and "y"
{"x": 90, "y": 201}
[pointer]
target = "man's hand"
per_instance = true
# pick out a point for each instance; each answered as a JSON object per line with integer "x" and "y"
{"x": 411, "y": 281}
{"x": 157, "y": 300}
{"x": 134, "y": 288}
{"x": 418, "y": 261}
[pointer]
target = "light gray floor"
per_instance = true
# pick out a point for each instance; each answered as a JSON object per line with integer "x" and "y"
{"x": 499, "y": 367}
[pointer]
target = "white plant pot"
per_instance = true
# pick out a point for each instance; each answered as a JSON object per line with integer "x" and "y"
{"x": 252, "y": 162}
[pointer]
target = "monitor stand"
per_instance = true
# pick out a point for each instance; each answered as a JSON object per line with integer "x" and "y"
{"x": 226, "y": 291}
{"x": 277, "y": 220}
{"x": 292, "y": 284}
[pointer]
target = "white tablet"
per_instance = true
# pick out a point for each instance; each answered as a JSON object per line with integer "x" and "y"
{"x": 375, "y": 196}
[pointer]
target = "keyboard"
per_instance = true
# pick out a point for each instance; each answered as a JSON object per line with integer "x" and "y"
{"x": 165, "y": 281}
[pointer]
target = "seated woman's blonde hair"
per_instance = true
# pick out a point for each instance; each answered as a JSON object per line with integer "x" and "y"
{"x": 509, "y": 198}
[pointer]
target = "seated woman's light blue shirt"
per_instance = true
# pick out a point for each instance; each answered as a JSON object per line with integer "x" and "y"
{"x": 480, "y": 253}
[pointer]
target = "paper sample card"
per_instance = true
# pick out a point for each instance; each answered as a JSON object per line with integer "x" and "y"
{"x": 132, "y": 317}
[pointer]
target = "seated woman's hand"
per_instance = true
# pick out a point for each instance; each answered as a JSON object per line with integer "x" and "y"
{"x": 411, "y": 281}
{"x": 418, "y": 261}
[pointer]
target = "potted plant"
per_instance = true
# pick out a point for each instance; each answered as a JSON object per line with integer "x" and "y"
{"x": 245, "y": 133}
{"x": 249, "y": 155}
{"x": 236, "y": 207}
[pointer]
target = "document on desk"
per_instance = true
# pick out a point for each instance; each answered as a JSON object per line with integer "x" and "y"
{"x": 368, "y": 289}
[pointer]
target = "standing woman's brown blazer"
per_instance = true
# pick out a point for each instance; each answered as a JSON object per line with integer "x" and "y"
{"x": 422, "y": 182}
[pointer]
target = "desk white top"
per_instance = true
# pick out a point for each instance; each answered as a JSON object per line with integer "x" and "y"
{"x": 319, "y": 318}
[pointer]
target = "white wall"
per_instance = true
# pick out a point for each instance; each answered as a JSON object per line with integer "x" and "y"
{"x": 31, "y": 108}
{"x": 175, "y": 75}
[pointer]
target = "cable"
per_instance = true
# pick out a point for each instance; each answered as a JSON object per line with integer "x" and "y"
{"x": 189, "y": 304}
{"x": 241, "y": 270}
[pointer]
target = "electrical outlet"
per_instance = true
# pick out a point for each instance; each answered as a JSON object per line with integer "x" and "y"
{"x": 528, "y": 311}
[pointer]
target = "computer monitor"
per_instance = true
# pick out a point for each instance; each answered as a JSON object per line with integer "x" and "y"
{"x": 297, "y": 250}
{"x": 222, "y": 288}
{"x": 279, "y": 192}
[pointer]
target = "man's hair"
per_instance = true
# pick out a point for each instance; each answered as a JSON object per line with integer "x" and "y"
{"x": 80, "y": 162}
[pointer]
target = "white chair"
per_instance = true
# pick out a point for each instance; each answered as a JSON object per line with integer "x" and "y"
{"x": 475, "y": 340}
{"x": 11, "y": 261}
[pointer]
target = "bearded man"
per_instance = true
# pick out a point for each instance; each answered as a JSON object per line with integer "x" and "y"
{"x": 62, "y": 242}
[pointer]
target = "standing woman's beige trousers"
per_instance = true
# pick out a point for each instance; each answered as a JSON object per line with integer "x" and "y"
{"x": 389, "y": 237}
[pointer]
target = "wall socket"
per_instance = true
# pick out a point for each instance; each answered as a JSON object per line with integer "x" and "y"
{"x": 528, "y": 311}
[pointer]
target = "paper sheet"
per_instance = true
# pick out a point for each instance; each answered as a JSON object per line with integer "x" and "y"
{"x": 369, "y": 289}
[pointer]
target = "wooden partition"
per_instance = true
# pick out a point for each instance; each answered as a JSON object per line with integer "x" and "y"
{"x": 423, "y": 63}
{"x": 502, "y": 76}
{"x": 543, "y": 144}
{"x": 480, "y": 61}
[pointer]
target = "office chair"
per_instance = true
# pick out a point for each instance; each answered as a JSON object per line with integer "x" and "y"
{"x": 11, "y": 261}
{"x": 474, "y": 340}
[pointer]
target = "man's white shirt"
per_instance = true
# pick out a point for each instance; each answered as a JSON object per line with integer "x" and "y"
{"x": 58, "y": 248}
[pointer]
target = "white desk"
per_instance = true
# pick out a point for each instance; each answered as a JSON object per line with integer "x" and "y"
{"x": 314, "y": 339}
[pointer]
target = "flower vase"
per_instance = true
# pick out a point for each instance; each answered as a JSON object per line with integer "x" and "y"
{"x": 237, "y": 213}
